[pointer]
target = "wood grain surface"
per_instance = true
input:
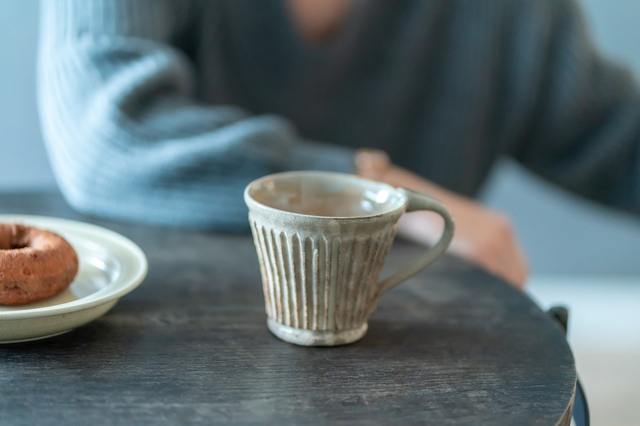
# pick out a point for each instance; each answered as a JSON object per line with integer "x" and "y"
{"x": 453, "y": 345}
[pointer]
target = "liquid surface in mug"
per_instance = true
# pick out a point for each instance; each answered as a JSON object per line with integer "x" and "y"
{"x": 328, "y": 198}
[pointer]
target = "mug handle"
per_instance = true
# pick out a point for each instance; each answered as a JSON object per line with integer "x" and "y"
{"x": 420, "y": 201}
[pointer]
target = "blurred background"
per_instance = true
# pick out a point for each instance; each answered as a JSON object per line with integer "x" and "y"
{"x": 582, "y": 255}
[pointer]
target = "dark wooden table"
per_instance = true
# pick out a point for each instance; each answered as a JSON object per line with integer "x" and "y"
{"x": 453, "y": 345}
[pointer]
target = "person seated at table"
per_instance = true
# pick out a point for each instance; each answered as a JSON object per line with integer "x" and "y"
{"x": 161, "y": 111}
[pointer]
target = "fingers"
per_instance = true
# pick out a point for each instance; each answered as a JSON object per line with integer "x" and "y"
{"x": 482, "y": 237}
{"x": 512, "y": 268}
{"x": 494, "y": 246}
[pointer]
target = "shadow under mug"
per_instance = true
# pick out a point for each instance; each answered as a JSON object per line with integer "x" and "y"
{"x": 322, "y": 239}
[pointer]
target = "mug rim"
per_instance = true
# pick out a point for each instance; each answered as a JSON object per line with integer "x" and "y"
{"x": 252, "y": 202}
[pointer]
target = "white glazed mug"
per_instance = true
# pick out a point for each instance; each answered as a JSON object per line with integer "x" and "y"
{"x": 322, "y": 239}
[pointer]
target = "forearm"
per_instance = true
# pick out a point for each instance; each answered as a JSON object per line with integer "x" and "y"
{"x": 126, "y": 137}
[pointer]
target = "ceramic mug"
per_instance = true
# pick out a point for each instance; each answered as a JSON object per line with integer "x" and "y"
{"x": 322, "y": 239}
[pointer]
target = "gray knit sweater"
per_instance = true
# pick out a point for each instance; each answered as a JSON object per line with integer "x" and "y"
{"x": 163, "y": 110}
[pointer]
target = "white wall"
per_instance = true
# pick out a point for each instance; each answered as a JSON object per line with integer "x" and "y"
{"x": 616, "y": 30}
{"x": 23, "y": 161}
{"x": 561, "y": 234}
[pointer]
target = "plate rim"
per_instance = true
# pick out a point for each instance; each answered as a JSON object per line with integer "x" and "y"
{"x": 96, "y": 299}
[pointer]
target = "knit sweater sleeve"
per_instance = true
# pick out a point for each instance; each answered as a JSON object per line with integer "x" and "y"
{"x": 583, "y": 131}
{"x": 125, "y": 136}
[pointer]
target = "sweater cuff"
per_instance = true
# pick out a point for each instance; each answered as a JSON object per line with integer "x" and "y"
{"x": 307, "y": 155}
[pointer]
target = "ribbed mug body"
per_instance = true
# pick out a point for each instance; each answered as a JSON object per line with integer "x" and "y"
{"x": 320, "y": 275}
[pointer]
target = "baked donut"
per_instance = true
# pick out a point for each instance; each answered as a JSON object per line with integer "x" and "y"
{"x": 34, "y": 264}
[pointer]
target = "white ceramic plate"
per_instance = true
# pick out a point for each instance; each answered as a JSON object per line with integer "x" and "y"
{"x": 110, "y": 267}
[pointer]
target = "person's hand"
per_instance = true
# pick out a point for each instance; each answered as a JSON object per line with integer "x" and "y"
{"x": 482, "y": 236}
